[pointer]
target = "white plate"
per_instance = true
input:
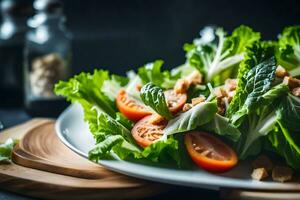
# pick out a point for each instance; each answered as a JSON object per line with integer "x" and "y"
{"x": 74, "y": 133}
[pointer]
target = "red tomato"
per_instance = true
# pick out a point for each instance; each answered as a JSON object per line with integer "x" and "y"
{"x": 148, "y": 130}
{"x": 130, "y": 107}
{"x": 209, "y": 152}
{"x": 175, "y": 101}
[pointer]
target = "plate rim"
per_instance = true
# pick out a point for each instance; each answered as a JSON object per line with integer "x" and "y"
{"x": 206, "y": 185}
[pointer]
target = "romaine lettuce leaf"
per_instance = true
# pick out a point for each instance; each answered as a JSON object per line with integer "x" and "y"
{"x": 286, "y": 143}
{"x": 111, "y": 129}
{"x": 258, "y": 81}
{"x": 85, "y": 89}
{"x": 253, "y": 108}
{"x": 112, "y": 86}
{"x": 290, "y": 112}
{"x": 151, "y": 72}
{"x": 220, "y": 61}
{"x": 154, "y": 97}
{"x": 258, "y": 62}
{"x": 222, "y": 126}
{"x": 198, "y": 115}
{"x": 289, "y": 48}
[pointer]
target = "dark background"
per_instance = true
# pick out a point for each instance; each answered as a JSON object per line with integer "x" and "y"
{"x": 124, "y": 34}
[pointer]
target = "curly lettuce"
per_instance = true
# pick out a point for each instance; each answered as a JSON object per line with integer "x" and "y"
{"x": 289, "y": 49}
{"x": 218, "y": 60}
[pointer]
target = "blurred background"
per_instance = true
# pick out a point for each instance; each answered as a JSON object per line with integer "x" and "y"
{"x": 120, "y": 35}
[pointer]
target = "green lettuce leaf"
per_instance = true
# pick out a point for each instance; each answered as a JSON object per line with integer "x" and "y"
{"x": 112, "y": 86}
{"x": 120, "y": 118}
{"x": 154, "y": 97}
{"x": 258, "y": 81}
{"x": 219, "y": 61}
{"x": 290, "y": 112}
{"x": 198, "y": 115}
{"x": 222, "y": 126}
{"x": 289, "y": 48}
{"x": 86, "y": 89}
{"x": 258, "y": 63}
{"x": 6, "y": 150}
{"x": 286, "y": 144}
{"x": 253, "y": 108}
{"x": 151, "y": 72}
{"x": 110, "y": 128}
{"x": 164, "y": 152}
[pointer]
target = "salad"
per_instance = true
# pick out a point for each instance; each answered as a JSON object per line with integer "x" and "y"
{"x": 235, "y": 97}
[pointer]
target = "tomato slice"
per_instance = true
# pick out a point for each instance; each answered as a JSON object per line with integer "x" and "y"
{"x": 209, "y": 152}
{"x": 175, "y": 101}
{"x": 148, "y": 130}
{"x": 130, "y": 107}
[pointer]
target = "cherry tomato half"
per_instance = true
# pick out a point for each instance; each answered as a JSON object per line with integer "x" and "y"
{"x": 175, "y": 101}
{"x": 129, "y": 107}
{"x": 209, "y": 152}
{"x": 148, "y": 130}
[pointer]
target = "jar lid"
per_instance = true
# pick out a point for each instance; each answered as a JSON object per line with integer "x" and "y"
{"x": 48, "y": 6}
{"x": 17, "y": 8}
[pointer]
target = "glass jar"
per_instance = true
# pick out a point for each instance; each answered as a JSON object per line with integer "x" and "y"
{"x": 12, "y": 33}
{"x": 47, "y": 60}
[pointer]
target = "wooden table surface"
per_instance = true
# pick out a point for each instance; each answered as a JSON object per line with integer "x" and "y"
{"x": 12, "y": 116}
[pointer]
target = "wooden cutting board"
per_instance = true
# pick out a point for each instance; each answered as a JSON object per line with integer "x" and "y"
{"x": 44, "y": 167}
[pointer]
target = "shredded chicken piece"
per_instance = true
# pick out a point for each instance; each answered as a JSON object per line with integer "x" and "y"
{"x": 281, "y": 72}
{"x": 282, "y": 174}
{"x": 259, "y": 174}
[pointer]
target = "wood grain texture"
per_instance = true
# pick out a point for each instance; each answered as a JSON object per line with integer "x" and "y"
{"x": 43, "y": 167}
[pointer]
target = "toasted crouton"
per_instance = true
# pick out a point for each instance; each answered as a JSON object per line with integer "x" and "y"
{"x": 263, "y": 161}
{"x": 259, "y": 174}
{"x": 296, "y": 91}
{"x": 181, "y": 86}
{"x": 187, "y": 107}
{"x": 291, "y": 82}
{"x": 198, "y": 100}
{"x": 194, "y": 78}
{"x": 282, "y": 174}
{"x": 230, "y": 85}
{"x": 281, "y": 72}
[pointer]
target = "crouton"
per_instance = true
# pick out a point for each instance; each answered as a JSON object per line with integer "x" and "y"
{"x": 198, "y": 100}
{"x": 187, "y": 107}
{"x": 259, "y": 174}
{"x": 281, "y": 72}
{"x": 194, "y": 78}
{"x": 296, "y": 91}
{"x": 282, "y": 174}
{"x": 138, "y": 87}
{"x": 291, "y": 82}
{"x": 230, "y": 85}
{"x": 181, "y": 86}
{"x": 263, "y": 161}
